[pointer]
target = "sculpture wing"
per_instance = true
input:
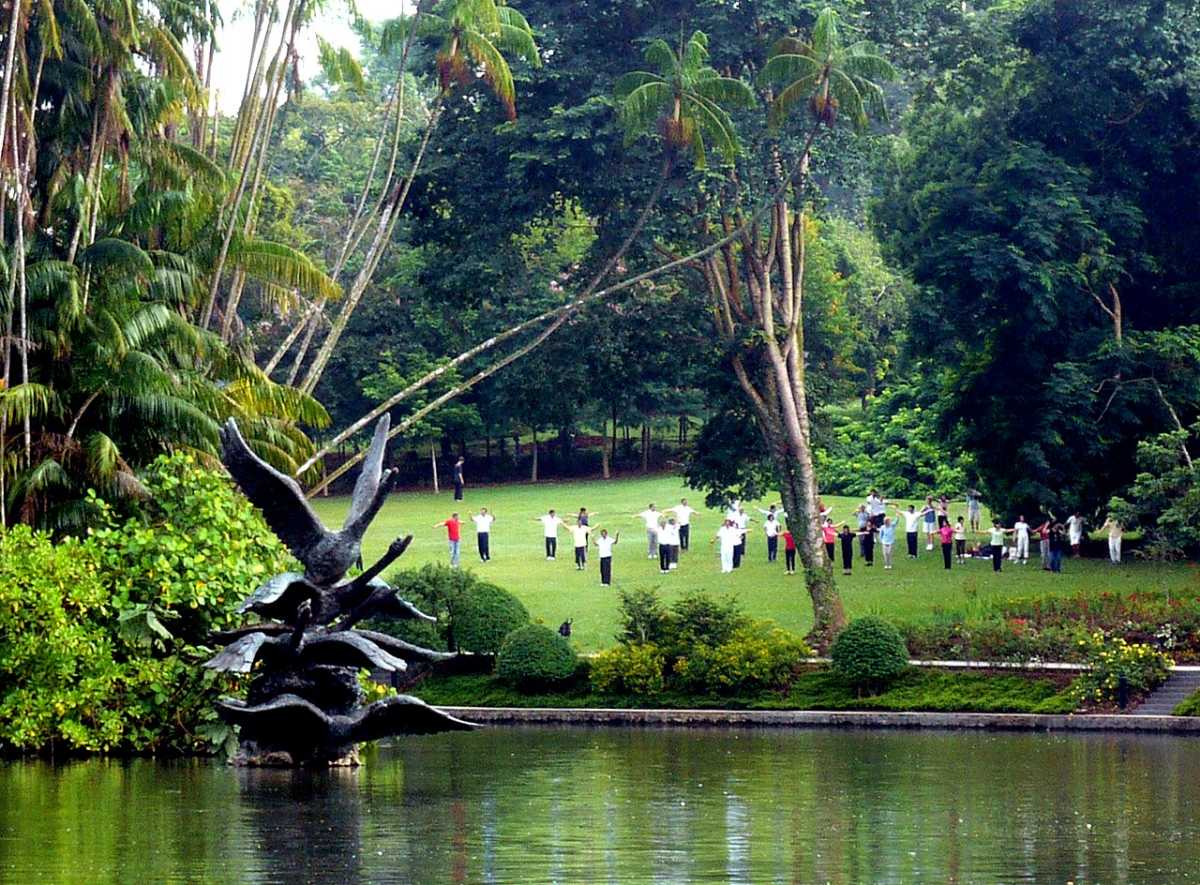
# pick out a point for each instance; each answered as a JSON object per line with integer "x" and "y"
{"x": 300, "y": 722}
{"x": 239, "y": 656}
{"x": 367, "y": 485}
{"x": 405, "y": 650}
{"x": 276, "y": 589}
{"x": 271, "y": 628}
{"x": 278, "y": 497}
{"x": 402, "y": 715}
{"x": 396, "y": 608}
{"x": 349, "y": 649}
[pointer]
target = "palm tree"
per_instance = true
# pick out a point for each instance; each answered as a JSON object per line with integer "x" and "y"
{"x": 475, "y": 35}
{"x": 827, "y": 75}
{"x": 684, "y": 99}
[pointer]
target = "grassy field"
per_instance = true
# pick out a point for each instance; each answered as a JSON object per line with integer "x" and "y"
{"x": 555, "y": 591}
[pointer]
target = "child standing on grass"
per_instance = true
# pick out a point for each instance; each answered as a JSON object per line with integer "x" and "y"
{"x": 947, "y": 535}
{"x": 789, "y": 551}
{"x": 604, "y": 549}
{"x": 1021, "y": 527}
{"x": 960, "y": 541}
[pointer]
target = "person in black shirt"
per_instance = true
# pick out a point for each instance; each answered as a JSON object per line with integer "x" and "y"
{"x": 458, "y": 480}
{"x": 847, "y": 538}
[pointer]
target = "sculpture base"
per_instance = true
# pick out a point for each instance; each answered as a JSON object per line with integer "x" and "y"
{"x": 251, "y": 755}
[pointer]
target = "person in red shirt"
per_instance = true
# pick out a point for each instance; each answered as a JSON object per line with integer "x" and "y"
{"x": 789, "y": 550}
{"x": 946, "y": 531}
{"x": 453, "y": 533}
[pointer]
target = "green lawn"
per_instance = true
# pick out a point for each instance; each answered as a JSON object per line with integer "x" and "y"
{"x": 555, "y": 591}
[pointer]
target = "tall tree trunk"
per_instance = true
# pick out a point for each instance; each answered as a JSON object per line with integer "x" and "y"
{"x": 605, "y": 457}
{"x": 433, "y": 461}
{"x": 533, "y": 473}
{"x": 645, "y": 447}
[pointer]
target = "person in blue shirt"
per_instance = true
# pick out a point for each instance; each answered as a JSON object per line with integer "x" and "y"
{"x": 887, "y": 537}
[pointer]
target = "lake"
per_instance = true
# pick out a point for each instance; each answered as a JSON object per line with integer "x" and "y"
{"x": 638, "y": 805}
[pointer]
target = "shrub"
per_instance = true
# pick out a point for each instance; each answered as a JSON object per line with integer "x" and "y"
{"x": 634, "y": 669}
{"x": 643, "y": 616}
{"x": 1111, "y": 660}
{"x": 1189, "y": 706}
{"x": 869, "y": 653}
{"x": 473, "y": 615}
{"x": 58, "y": 676}
{"x": 534, "y": 657}
{"x": 191, "y": 553}
{"x": 483, "y": 616}
{"x": 700, "y": 619}
{"x": 756, "y": 656}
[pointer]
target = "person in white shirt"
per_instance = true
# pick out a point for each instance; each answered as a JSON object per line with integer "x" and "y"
{"x": 1115, "y": 531}
{"x": 742, "y": 523}
{"x": 1021, "y": 527}
{"x": 604, "y": 549}
{"x": 580, "y": 532}
{"x": 775, "y": 510}
{"x": 483, "y": 532}
{"x": 668, "y": 545}
{"x": 550, "y": 525}
{"x": 912, "y": 527}
{"x": 728, "y": 535}
{"x": 683, "y": 514}
{"x": 1075, "y": 533}
{"x": 876, "y": 508}
{"x": 673, "y": 537}
{"x": 771, "y": 529}
{"x": 650, "y": 517}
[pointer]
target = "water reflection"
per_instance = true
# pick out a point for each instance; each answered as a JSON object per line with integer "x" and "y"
{"x": 524, "y": 805}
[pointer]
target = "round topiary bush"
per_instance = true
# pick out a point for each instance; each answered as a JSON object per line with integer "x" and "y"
{"x": 869, "y": 653}
{"x": 482, "y": 616}
{"x": 534, "y": 657}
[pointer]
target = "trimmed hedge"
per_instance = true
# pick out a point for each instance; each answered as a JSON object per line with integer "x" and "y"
{"x": 534, "y": 657}
{"x": 869, "y": 653}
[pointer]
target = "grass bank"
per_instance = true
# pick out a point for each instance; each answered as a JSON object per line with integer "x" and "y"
{"x": 820, "y": 689}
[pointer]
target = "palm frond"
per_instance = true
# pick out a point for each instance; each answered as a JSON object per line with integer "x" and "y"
{"x": 283, "y": 266}
{"x": 495, "y": 68}
{"x": 29, "y": 400}
{"x": 113, "y": 255}
{"x": 662, "y": 56}
{"x": 520, "y": 43}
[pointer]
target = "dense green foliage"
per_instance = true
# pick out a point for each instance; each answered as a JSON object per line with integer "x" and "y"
{"x": 104, "y": 636}
{"x": 473, "y": 614}
{"x": 189, "y": 554}
{"x": 1164, "y": 499}
{"x": 700, "y": 644}
{"x": 1039, "y": 205}
{"x": 1189, "y": 706}
{"x": 869, "y": 653}
{"x": 535, "y": 657}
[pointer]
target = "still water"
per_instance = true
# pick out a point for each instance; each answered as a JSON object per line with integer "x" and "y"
{"x": 571, "y": 805}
